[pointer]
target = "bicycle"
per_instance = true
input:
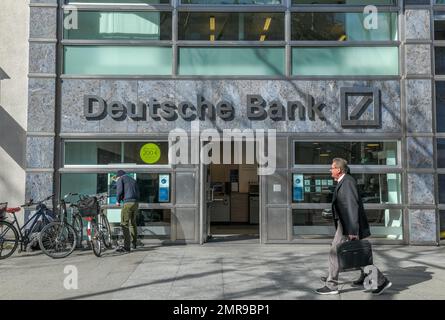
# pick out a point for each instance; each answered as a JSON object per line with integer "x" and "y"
{"x": 98, "y": 228}
{"x": 11, "y": 234}
{"x": 58, "y": 239}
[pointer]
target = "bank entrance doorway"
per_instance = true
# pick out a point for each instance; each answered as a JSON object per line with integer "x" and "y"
{"x": 230, "y": 202}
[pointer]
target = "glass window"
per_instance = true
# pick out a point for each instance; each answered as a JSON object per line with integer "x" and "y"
{"x": 107, "y": 153}
{"x": 231, "y": 61}
{"x": 440, "y": 105}
{"x": 441, "y": 153}
{"x": 347, "y": 2}
{"x": 118, "y": 1}
{"x": 91, "y": 153}
{"x": 94, "y": 183}
{"x": 117, "y": 60}
{"x": 339, "y": 61}
{"x": 373, "y": 188}
{"x": 442, "y": 224}
{"x": 439, "y": 53}
{"x": 356, "y": 153}
{"x": 439, "y": 25}
{"x": 410, "y": 2}
{"x": 154, "y": 223}
{"x": 220, "y": 26}
{"x": 441, "y": 188}
{"x": 342, "y": 26}
{"x": 309, "y": 223}
{"x": 231, "y": 2}
{"x": 122, "y": 25}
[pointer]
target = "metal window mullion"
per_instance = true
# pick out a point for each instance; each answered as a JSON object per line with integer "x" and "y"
{"x": 339, "y": 9}
{"x": 187, "y": 43}
{"x": 229, "y": 8}
{"x": 175, "y": 48}
{"x": 321, "y": 43}
{"x": 288, "y": 39}
{"x": 159, "y": 43}
{"x": 113, "y": 7}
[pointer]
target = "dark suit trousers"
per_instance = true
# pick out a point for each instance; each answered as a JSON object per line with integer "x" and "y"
{"x": 332, "y": 281}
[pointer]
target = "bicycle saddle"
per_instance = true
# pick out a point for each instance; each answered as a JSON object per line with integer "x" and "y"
{"x": 12, "y": 210}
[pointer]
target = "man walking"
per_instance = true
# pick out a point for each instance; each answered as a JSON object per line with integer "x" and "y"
{"x": 127, "y": 191}
{"x": 350, "y": 223}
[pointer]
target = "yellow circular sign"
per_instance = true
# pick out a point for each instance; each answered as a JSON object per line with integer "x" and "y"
{"x": 150, "y": 153}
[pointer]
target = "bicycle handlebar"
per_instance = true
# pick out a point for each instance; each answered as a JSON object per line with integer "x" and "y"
{"x": 31, "y": 201}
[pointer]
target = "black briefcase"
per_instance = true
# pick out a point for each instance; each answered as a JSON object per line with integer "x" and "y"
{"x": 354, "y": 254}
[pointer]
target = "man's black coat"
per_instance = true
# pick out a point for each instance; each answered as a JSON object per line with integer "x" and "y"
{"x": 347, "y": 206}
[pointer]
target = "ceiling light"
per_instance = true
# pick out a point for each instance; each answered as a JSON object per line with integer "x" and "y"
{"x": 212, "y": 23}
{"x": 267, "y": 23}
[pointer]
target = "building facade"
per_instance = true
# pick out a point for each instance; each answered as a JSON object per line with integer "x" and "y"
{"x": 110, "y": 80}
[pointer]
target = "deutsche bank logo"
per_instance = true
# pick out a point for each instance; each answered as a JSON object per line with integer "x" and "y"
{"x": 360, "y": 107}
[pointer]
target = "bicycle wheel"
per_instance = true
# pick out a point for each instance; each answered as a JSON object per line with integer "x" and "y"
{"x": 96, "y": 239}
{"x": 58, "y": 240}
{"x": 9, "y": 239}
{"x": 78, "y": 227}
{"x": 105, "y": 229}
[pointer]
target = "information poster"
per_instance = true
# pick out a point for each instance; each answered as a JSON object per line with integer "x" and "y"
{"x": 164, "y": 188}
{"x": 298, "y": 187}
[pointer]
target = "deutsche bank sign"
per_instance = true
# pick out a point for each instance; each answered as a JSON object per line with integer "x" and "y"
{"x": 96, "y": 108}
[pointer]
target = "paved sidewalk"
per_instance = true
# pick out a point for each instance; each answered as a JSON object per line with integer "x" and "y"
{"x": 228, "y": 270}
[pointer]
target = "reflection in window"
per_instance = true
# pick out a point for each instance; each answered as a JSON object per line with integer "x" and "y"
{"x": 90, "y": 153}
{"x": 441, "y": 153}
{"x": 118, "y": 1}
{"x": 107, "y": 153}
{"x": 440, "y": 60}
{"x": 241, "y": 2}
{"x": 94, "y": 183}
{"x": 349, "y": 2}
{"x": 231, "y": 26}
{"x": 117, "y": 60}
{"x": 310, "y": 223}
{"x": 330, "y": 26}
{"x": 153, "y": 223}
{"x": 373, "y": 188}
{"x": 102, "y": 25}
{"x": 440, "y": 105}
{"x": 345, "y": 61}
{"x": 356, "y": 153}
{"x": 442, "y": 188}
{"x": 231, "y": 61}
{"x": 439, "y": 26}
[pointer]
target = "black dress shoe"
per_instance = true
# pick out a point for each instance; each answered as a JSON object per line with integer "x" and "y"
{"x": 123, "y": 250}
{"x": 385, "y": 285}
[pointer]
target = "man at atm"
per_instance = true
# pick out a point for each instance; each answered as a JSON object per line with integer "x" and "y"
{"x": 127, "y": 191}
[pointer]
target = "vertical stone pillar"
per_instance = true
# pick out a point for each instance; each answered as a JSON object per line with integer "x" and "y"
{"x": 41, "y": 100}
{"x": 417, "y": 78}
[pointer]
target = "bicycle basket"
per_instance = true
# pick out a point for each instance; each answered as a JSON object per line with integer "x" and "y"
{"x": 88, "y": 207}
{"x": 3, "y": 207}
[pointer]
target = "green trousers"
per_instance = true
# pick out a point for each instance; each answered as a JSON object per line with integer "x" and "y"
{"x": 128, "y": 223}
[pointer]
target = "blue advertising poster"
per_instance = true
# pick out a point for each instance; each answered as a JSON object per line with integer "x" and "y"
{"x": 298, "y": 187}
{"x": 164, "y": 188}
